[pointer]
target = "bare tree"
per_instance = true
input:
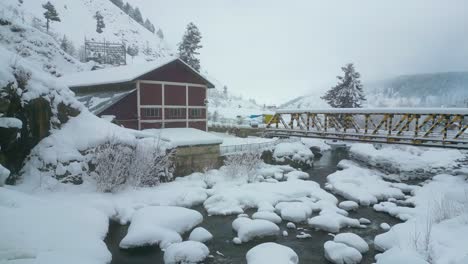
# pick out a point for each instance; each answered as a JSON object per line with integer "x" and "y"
{"x": 243, "y": 164}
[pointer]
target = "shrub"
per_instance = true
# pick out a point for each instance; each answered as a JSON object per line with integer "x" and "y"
{"x": 118, "y": 164}
{"x": 244, "y": 163}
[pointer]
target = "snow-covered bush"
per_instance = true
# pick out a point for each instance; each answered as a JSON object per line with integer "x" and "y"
{"x": 119, "y": 164}
{"x": 243, "y": 164}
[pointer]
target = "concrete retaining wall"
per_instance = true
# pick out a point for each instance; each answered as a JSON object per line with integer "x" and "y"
{"x": 197, "y": 158}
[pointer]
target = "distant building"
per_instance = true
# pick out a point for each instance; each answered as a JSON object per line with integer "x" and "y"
{"x": 162, "y": 94}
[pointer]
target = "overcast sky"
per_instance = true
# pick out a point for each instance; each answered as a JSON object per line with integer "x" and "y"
{"x": 276, "y": 50}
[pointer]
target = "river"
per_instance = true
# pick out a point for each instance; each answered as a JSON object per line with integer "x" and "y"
{"x": 309, "y": 250}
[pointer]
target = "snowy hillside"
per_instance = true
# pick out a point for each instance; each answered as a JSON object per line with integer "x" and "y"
{"x": 77, "y": 23}
{"x": 422, "y": 90}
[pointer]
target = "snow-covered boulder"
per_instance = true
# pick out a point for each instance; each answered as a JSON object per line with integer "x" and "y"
{"x": 294, "y": 175}
{"x": 352, "y": 240}
{"x": 339, "y": 253}
{"x": 348, "y": 205}
{"x": 186, "y": 252}
{"x": 271, "y": 253}
{"x": 385, "y": 226}
{"x": 161, "y": 225}
{"x": 400, "y": 255}
{"x": 248, "y": 229}
{"x": 364, "y": 221}
{"x": 293, "y": 152}
{"x": 200, "y": 234}
{"x": 332, "y": 222}
{"x": 269, "y": 216}
{"x": 294, "y": 211}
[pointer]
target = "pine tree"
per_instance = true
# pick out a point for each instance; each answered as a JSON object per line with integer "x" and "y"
{"x": 137, "y": 15}
{"x": 160, "y": 34}
{"x": 99, "y": 22}
{"x": 189, "y": 46}
{"x": 132, "y": 51}
{"x": 50, "y": 14}
{"x": 348, "y": 93}
{"x": 118, "y": 3}
{"x": 148, "y": 25}
{"x": 127, "y": 8}
{"x": 67, "y": 46}
{"x": 225, "y": 91}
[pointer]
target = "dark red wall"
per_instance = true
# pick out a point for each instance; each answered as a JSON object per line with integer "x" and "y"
{"x": 150, "y": 94}
{"x": 197, "y": 96}
{"x": 150, "y": 125}
{"x": 143, "y": 117}
{"x": 168, "y": 116}
{"x": 174, "y": 95}
{"x": 203, "y": 112}
{"x": 175, "y": 71}
{"x": 125, "y": 111}
{"x": 175, "y": 124}
{"x": 198, "y": 125}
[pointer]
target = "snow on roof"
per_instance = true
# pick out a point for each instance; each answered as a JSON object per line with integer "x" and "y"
{"x": 397, "y": 110}
{"x": 120, "y": 74}
{"x": 186, "y": 136}
{"x": 114, "y": 74}
{"x": 99, "y": 101}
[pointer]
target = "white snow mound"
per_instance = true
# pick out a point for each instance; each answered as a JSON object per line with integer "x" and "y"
{"x": 200, "y": 234}
{"x": 271, "y": 253}
{"x": 352, "y": 240}
{"x": 248, "y": 229}
{"x": 339, "y": 253}
{"x": 186, "y": 252}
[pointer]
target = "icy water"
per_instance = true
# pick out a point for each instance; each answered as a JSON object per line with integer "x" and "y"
{"x": 309, "y": 250}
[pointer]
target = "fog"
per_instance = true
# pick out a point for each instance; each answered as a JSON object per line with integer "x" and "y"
{"x": 273, "y": 51}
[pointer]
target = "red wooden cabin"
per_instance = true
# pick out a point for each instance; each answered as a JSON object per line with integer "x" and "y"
{"x": 162, "y": 94}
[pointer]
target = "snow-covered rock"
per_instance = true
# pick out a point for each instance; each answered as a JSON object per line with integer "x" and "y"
{"x": 10, "y": 122}
{"x": 348, "y": 205}
{"x": 291, "y": 225}
{"x": 385, "y": 226}
{"x": 200, "y": 234}
{"x": 269, "y": 216}
{"x": 303, "y": 235}
{"x": 352, "y": 240}
{"x": 339, "y": 253}
{"x": 364, "y": 221}
{"x": 294, "y": 175}
{"x": 293, "y": 151}
{"x": 271, "y": 253}
{"x": 294, "y": 211}
{"x": 361, "y": 185}
{"x": 186, "y": 252}
{"x": 248, "y": 229}
{"x": 161, "y": 225}
{"x": 400, "y": 255}
{"x": 332, "y": 222}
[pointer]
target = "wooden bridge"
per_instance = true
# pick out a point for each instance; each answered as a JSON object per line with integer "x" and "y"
{"x": 433, "y": 127}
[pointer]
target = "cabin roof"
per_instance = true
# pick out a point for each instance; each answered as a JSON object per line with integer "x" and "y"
{"x": 121, "y": 74}
{"x": 97, "y": 102}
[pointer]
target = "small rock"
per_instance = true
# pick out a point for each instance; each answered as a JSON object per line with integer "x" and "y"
{"x": 285, "y": 233}
{"x": 291, "y": 225}
{"x": 364, "y": 221}
{"x": 385, "y": 226}
{"x": 236, "y": 241}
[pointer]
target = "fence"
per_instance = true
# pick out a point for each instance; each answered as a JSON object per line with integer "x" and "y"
{"x": 232, "y": 149}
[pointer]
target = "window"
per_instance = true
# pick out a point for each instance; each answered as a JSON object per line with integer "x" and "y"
{"x": 151, "y": 112}
{"x": 175, "y": 112}
{"x": 196, "y": 113}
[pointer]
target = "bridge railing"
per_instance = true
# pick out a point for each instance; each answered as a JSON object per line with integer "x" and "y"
{"x": 417, "y": 126}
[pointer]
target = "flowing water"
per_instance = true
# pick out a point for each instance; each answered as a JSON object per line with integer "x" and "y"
{"x": 309, "y": 250}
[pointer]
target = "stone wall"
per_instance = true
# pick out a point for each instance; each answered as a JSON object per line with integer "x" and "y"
{"x": 196, "y": 159}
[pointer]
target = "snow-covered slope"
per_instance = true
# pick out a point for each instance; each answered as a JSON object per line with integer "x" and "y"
{"x": 77, "y": 23}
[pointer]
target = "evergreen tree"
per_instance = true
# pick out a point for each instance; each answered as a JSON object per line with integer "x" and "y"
{"x": 67, "y": 46}
{"x": 160, "y": 34}
{"x": 99, "y": 22}
{"x": 127, "y": 8}
{"x": 50, "y": 14}
{"x": 118, "y": 3}
{"x": 189, "y": 46}
{"x": 348, "y": 93}
{"x": 225, "y": 91}
{"x": 137, "y": 15}
{"x": 132, "y": 51}
{"x": 148, "y": 25}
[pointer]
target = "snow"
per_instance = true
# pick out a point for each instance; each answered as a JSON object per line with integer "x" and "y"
{"x": 4, "y": 173}
{"x": 271, "y": 253}
{"x": 120, "y": 74}
{"x": 303, "y": 235}
{"x": 364, "y": 221}
{"x": 295, "y": 151}
{"x": 294, "y": 175}
{"x": 291, "y": 225}
{"x": 400, "y": 255}
{"x": 161, "y": 225}
{"x": 186, "y": 252}
{"x": 185, "y": 136}
{"x": 348, "y": 205}
{"x": 409, "y": 159}
{"x": 296, "y": 212}
{"x": 352, "y": 240}
{"x": 269, "y": 216}
{"x": 385, "y": 226}
{"x": 40, "y": 230}
{"x": 248, "y": 229}
{"x": 361, "y": 185}
{"x": 332, "y": 222}
{"x": 339, "y": 253}
{"x": 317, "y": 143}
{"x": 10, "y": 122}
{"x": 200, "y": 234}
{"x": 387, "y": 110}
